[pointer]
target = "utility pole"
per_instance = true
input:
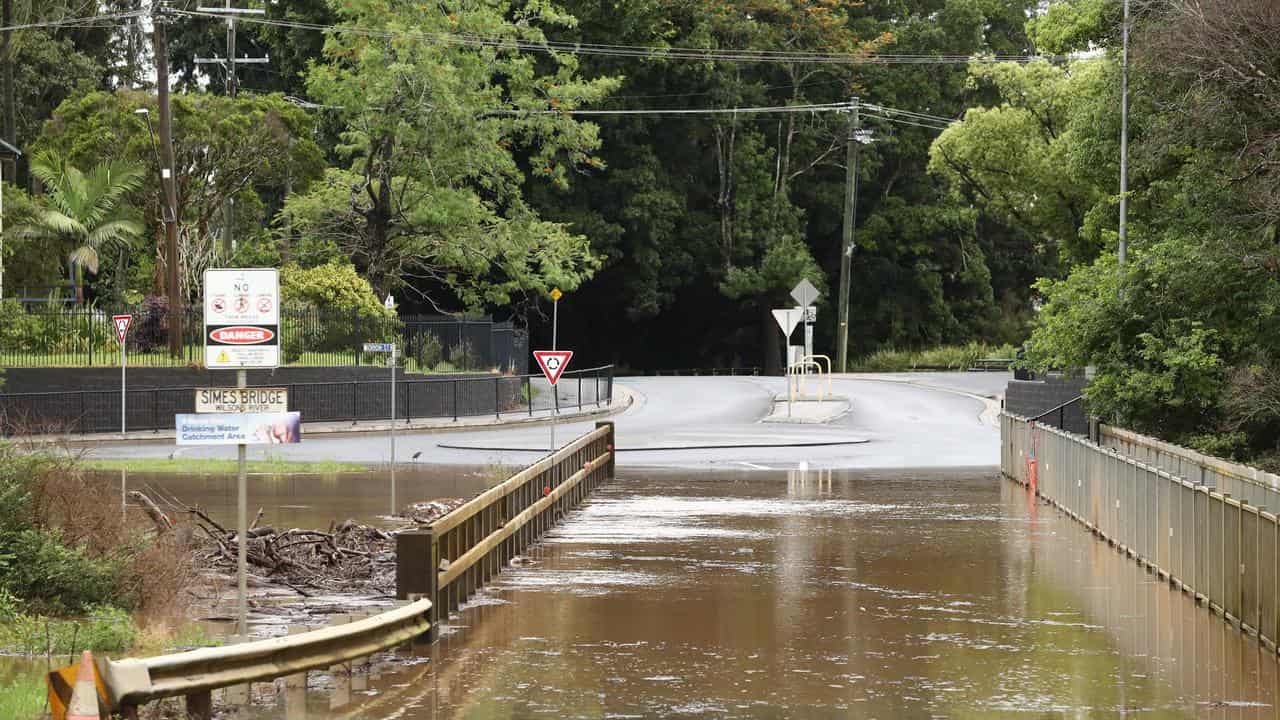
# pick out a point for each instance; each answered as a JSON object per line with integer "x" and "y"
{"x": 848, "y": 236}
{"x": 1124, "y": 135}
{"x": 233, "y": 85}
{"x": 161, "y": 47}
{"x": 10, "y": 125}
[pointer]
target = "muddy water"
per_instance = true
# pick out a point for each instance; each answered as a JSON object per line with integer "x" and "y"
{"x": 311, "y": 500}
{"x": 858, "y": 595}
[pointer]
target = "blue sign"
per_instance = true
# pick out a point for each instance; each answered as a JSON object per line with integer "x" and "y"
{"x": 379, "y": 347}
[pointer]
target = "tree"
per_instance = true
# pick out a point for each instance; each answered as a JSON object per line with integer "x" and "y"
{"x": 84, "y": 212}
{"x": 432, "y": 192}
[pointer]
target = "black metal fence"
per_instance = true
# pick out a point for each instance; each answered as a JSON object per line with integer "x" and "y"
{"x": 98, "y": 411}
{"x": 53, "y": 336}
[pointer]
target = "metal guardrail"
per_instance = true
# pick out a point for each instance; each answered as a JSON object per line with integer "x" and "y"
{"x": 195, "y": 674}
{"x": 1219, "y": 549}
{"x": 992, "y": 364}
{"x": 457, "y": 554}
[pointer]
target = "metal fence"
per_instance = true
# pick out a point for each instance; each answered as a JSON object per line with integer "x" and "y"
{"x": 96, "y": 411}
{"x": 51, "y": 336}
{"x": 454, "y": 557}
{"x": 1222, "y": 550}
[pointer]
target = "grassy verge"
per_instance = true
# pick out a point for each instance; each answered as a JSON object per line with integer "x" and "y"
{"x": 22, "y": 697}
{"x": 949, "y": 357}
{"x": 217, "y": 466}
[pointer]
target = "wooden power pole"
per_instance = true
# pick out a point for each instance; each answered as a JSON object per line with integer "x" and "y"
{"x": 167, "y": 179}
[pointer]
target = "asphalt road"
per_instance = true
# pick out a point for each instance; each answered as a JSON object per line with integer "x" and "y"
{"x": 918, "y": 420}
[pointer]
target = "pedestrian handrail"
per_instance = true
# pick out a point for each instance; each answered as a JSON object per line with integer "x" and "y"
{"x": 132, "y": 682}
{"x": 452, "y": 558}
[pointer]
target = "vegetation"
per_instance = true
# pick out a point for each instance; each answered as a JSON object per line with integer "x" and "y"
{"x": 954, "y": 357}
{"x": 454, "y": 175}
{"x": 23, "y": 697}
{"x": 68, "y": 554}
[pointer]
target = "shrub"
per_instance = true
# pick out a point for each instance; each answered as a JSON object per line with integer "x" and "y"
{"x": 426, "y": 350}
{"x": 948, "y": 357}
{"x": 464, "y": 356}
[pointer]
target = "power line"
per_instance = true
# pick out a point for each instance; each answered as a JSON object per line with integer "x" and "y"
{"x": 641, "y": 51}
{"x": 76, "y": 22}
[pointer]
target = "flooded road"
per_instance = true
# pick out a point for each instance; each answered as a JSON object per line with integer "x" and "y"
{"x": 853, "y": 594}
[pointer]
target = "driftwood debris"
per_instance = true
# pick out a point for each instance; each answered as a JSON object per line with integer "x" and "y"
{"x": 349, "y": 557}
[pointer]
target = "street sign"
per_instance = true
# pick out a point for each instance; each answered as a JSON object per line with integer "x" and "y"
{"x": 238, "y": 428}
{"x": 810, "y": 313}
{"x": 242, "y": 400}
{"x": 553, "y": 363}
{"x": 389, "y": 303}
{"x": 787, "y": 320}
{"x": 122, "y": 323}
{"x": 241, "y": 318}
{"x": 805, "y": 293}
{"x": 379, "y": 347}
{"x": 556, "y": 294}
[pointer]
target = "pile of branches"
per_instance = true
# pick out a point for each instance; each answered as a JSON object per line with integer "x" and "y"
{"x": 349, "y": 557}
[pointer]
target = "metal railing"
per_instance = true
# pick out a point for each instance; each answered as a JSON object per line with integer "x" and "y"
{"x": 195, "y": 674}
{"x": 96, "y": 411}
{"x": 53, "y": 336}
{"x": 1220, "y": 549}
{"x": 1256, "y": 487}
{"x": 454, "y": 557}
{"x": 712, "y": 372}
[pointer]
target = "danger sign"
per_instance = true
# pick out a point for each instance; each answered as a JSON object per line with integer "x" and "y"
{"x": 122, "y": 323}
{"x": 553, "y": 362}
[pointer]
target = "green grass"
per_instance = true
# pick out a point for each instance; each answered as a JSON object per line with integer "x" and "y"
{"x": 213, "y": 466}
{"x": 23, "y": 698}
{"x": 948, "y": 357}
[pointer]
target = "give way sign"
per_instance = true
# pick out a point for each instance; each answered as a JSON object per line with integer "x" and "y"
{"x": 121, "y": 323}
{"x": 553, "y": 362}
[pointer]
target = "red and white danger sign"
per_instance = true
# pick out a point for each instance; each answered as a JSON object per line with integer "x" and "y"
{"x": 553, "y": 362}
{"x": 122, "y": 323}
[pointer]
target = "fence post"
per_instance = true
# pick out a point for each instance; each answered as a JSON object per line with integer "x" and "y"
{"x": 497, "y": 396}
{"x": 579, "y": 392}
{"x": 528, "y": 393}
{"x": 155, "y": 403}
{"x": 355, "y": 390}
{"x": 610, "y": 446}
{"x": 455, "y": 399}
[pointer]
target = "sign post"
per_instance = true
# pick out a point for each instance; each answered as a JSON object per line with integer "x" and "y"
{"x": 555, "y": 322}
{"x": 787, "y": 319}
{"x": 389, "y": 348}
{"x": 242, "y": 330}
{"x": 805, "y": 293}
{"x": 553, "y": 364}
{"x": 122, "y": 323}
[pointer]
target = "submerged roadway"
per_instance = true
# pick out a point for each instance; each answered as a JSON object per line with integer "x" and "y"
{"x": 917, "y": 420}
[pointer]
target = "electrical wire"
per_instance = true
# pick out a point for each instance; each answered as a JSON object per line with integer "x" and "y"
{"x": 640, "y": 51}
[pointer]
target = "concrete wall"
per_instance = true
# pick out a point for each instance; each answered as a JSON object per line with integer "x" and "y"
{"x": 1030, "y": 398}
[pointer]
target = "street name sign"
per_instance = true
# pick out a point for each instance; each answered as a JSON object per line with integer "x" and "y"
{"x": 242, "y": 400}
{"x": 379, "y": 347}
{"x": 121, "y": 323}
{"x": 241, "y": 318}
{"x": 553, "y": 363}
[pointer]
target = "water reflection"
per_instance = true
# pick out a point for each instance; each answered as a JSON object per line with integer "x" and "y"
{"x": 311, "y": 500}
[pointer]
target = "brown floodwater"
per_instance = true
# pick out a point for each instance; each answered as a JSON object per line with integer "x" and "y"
{"x": 807, "y": 595}
{"x": 311, "y": 500}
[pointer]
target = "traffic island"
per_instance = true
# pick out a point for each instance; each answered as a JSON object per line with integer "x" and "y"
{"x": 807, "y": 409}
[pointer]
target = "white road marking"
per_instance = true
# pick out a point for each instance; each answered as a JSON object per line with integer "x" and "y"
{"x": 753, "y": 466}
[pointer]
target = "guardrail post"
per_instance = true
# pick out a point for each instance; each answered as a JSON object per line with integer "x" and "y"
{"x": 200, "y": 706}
{"x": 418, "y": 571}
{"x": 609, "y": 446}
{"x": 497, "y": 397}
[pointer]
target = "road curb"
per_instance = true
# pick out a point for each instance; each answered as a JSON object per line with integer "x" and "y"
{"x": 624, "y": 399}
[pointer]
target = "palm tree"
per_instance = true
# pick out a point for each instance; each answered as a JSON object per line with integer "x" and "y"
{"x": 83, "y": 211}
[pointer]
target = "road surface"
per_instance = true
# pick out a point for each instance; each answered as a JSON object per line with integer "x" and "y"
{"x": 919, "y": 420}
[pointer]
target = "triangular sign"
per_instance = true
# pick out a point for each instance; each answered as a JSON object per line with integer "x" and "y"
{"x": 553, "y": 362}
{"x": 122, "y": 323}
{"x": 787, "y": 320}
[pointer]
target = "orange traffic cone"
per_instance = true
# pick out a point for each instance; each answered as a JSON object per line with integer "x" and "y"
{"x": 84, "y": 697}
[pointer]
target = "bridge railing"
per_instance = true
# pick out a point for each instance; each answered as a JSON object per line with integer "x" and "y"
{"x": 456, "y": 555}
{"x": 1219, "y": 549}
